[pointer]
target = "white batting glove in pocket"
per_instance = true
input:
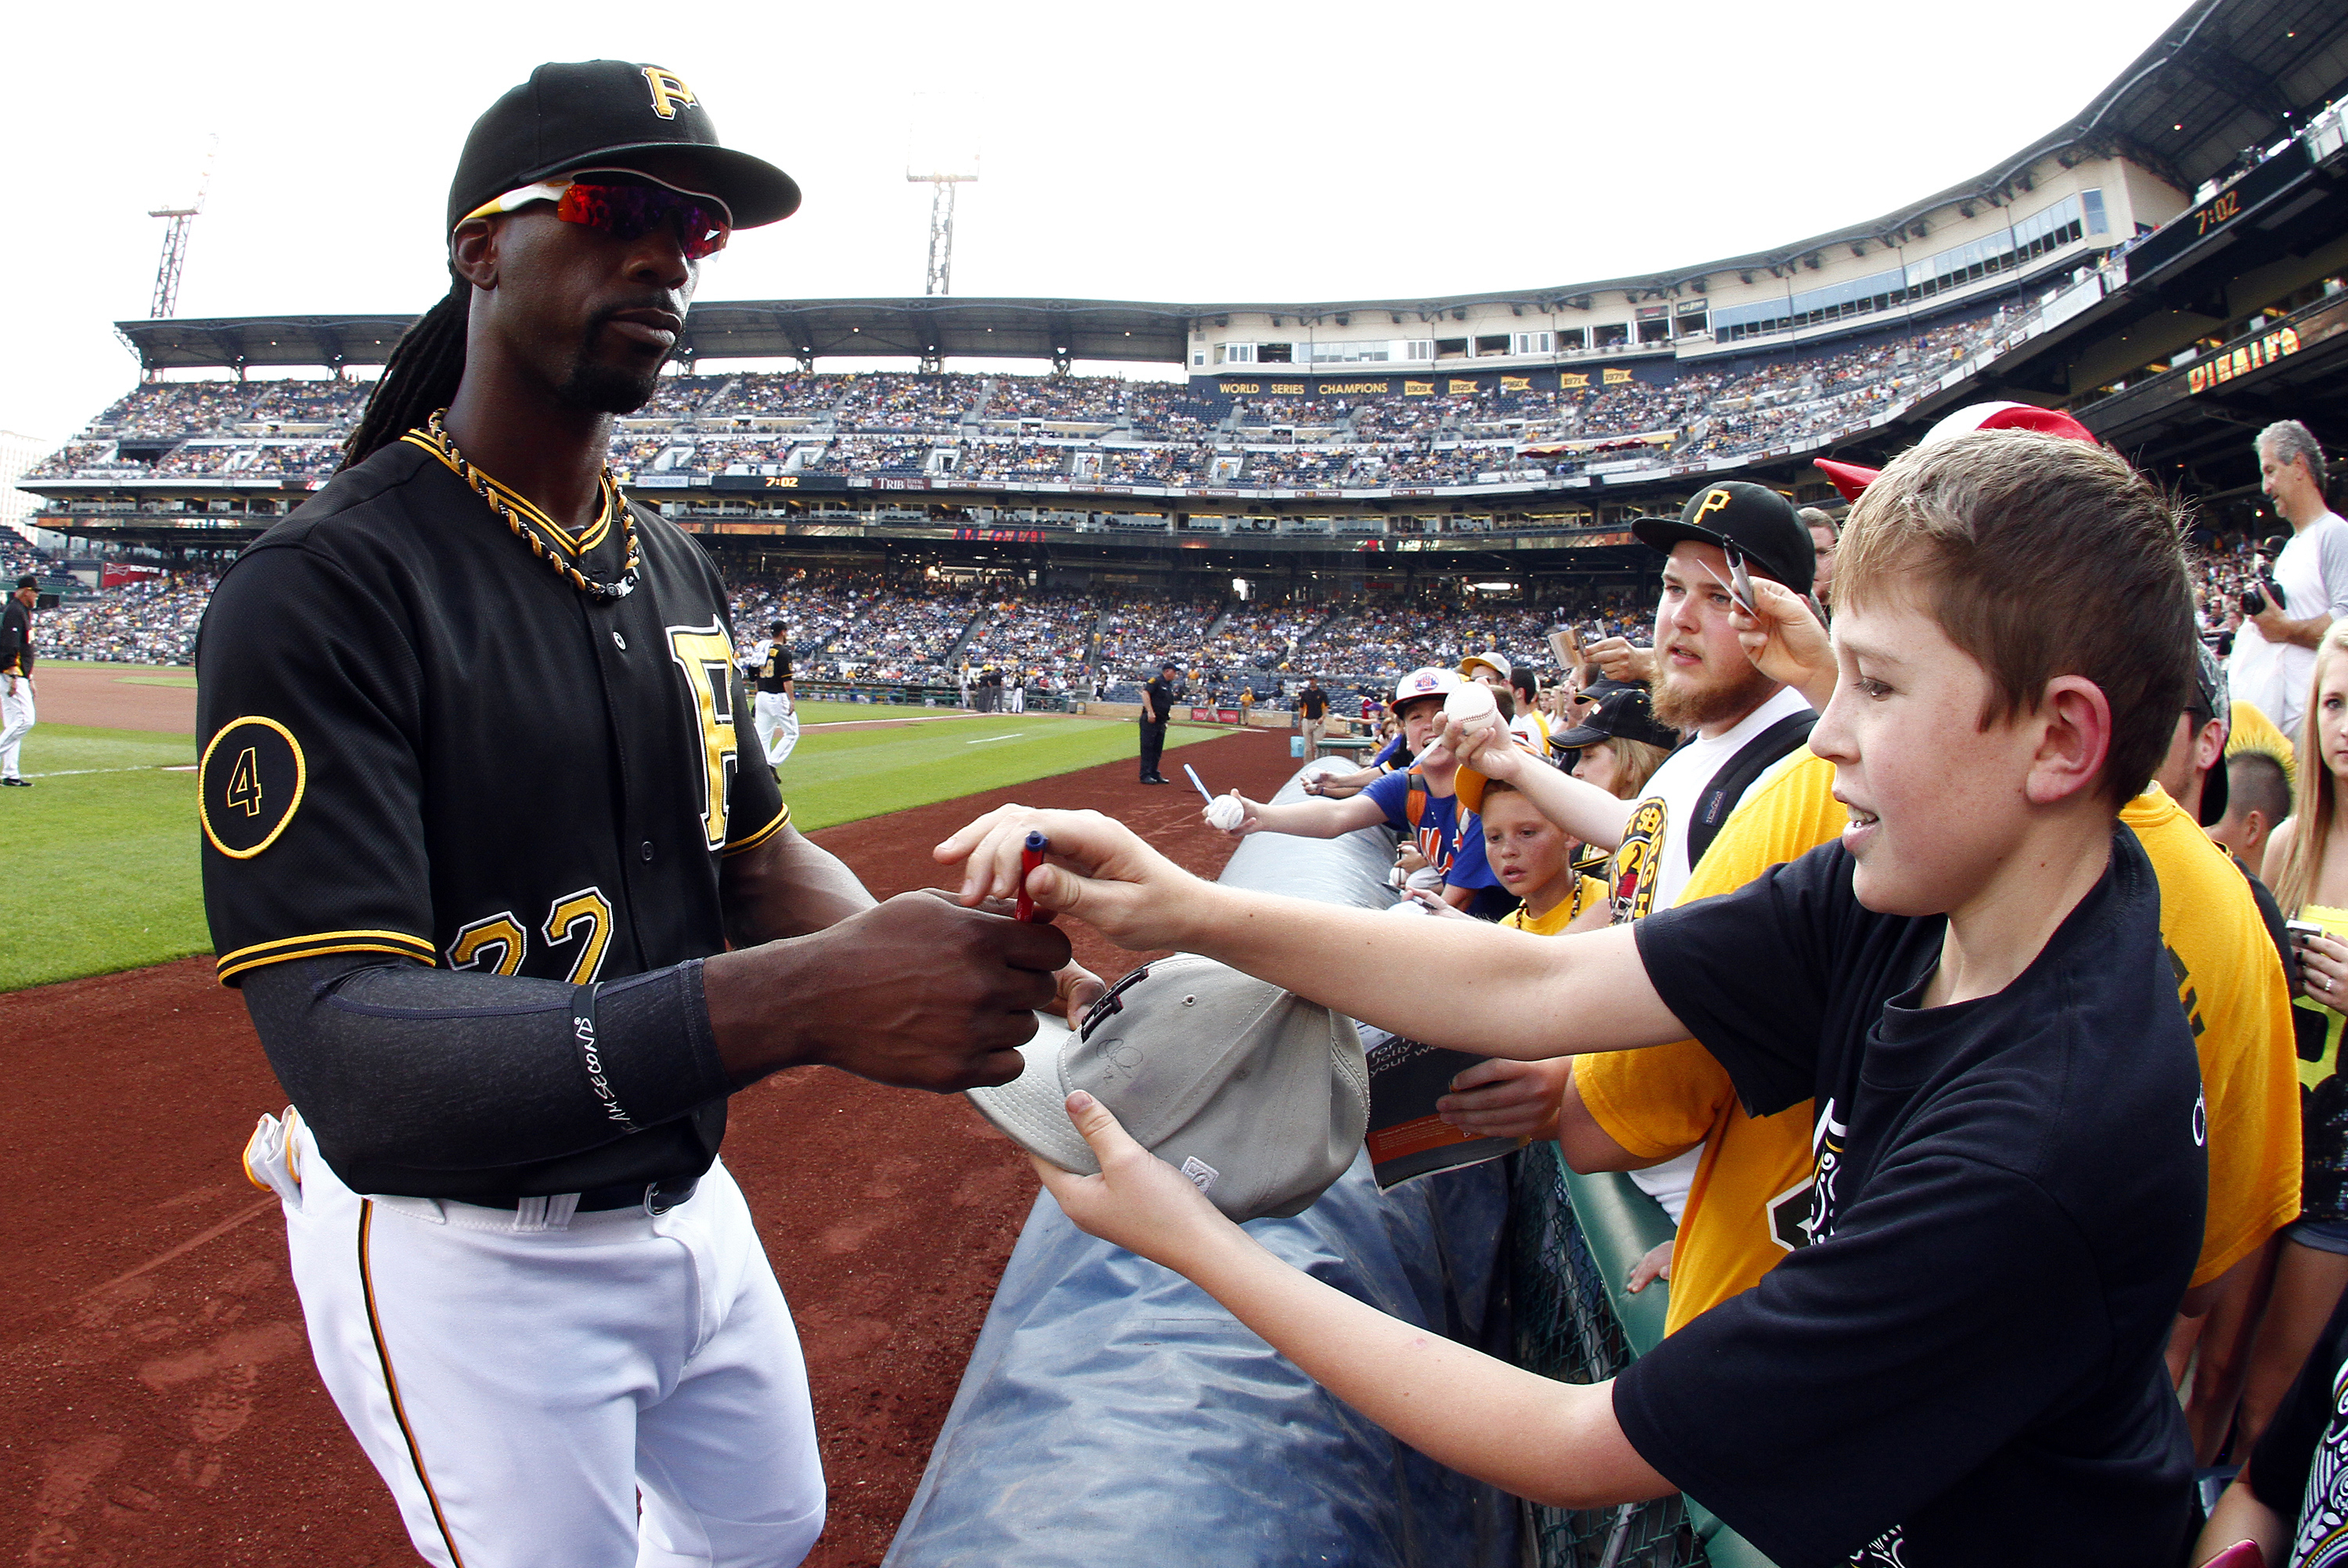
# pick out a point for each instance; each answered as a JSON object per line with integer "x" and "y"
{"x": 269, "y": 1161}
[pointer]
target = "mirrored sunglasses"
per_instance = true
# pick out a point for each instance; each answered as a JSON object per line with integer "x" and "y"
{"x": 626, "y": 210}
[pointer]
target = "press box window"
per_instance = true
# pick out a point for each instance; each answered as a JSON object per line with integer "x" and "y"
{"x": 1533, "y": 342}
{"x": 1494, "y": 342}
{"x": 1275, "y": 353}
{"x": 1451, "y": 348}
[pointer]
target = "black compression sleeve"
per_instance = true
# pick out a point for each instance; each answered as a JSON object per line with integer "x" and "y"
{"x": 394, "y": 1064}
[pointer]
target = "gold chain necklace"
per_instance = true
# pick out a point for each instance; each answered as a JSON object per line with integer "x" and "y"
{"x": 602, "y": 592}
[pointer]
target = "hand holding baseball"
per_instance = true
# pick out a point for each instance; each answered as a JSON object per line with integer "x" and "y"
{"x": 1233, "y": 813}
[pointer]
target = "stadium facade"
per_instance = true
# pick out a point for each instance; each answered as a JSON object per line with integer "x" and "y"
{"x": 2168, "y": 264}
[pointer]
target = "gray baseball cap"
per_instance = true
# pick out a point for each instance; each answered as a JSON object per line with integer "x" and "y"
{"x": 1259, "y": 1096}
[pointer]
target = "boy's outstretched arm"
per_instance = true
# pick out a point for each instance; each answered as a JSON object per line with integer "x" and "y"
{"x": 1360, "y": 963}
{"x": 1577, "y": 806}
{"x": 1556, "y": 1443}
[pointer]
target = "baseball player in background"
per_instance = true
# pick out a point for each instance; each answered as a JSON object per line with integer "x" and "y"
{"x": 474, "y": 844}
{"x": 16, "y": 715}
{"x": 775, "y": 708}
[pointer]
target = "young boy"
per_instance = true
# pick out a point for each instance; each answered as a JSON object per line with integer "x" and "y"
{"x": 1966, "y": 1368}
{"x": 1533, "y": 858}
{"x": 1421, "y": 803}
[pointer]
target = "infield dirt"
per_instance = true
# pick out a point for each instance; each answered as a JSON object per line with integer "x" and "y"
{"x": 157, "y": 1407}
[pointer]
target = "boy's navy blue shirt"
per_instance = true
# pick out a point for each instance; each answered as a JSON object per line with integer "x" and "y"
{"x": 1966, "y": 1365}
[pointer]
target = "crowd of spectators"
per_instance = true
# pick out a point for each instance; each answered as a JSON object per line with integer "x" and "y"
{"x": 151, "y": 621}
{"x": 858, "y": 624}
{"x": 1034, "y": 635}
{"x": 1142, "y": 629}
{"x": 880, "y": 454}
{"x": 873, "y": 424}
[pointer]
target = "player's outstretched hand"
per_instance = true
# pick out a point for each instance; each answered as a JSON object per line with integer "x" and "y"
{"x": 1501, "y": 1098}
{"x": 917, "y": 991}
{"x": 1099, "y": 870}
{"x": 1785, "y": 642}
{"x": 1617, "y": 659}
{"x": 1139, "y": 1201}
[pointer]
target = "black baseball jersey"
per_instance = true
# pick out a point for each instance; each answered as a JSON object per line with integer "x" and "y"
{"x": 774, "y": 669}
{"x": 420, "y": 742}
{"x": 16, "y": 638}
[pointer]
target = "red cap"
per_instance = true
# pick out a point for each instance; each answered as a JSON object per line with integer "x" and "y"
{"x": 1852, "y": 478}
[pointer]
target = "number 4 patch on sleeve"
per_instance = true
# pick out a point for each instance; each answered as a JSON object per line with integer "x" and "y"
{"x": 249, "y": 785}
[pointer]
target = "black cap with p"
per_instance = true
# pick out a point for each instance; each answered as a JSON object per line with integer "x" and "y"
{"x": 605, "y": 113}
{"x": 1742, "y": 519}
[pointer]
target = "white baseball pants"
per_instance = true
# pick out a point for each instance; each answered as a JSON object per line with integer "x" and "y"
{"x": 16, "y": 720}
{"x": 517, "y": 1388}
{"x": 778, "y": 723}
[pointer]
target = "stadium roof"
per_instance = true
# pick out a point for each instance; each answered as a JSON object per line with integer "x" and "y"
{"x": 2226, "y": 77}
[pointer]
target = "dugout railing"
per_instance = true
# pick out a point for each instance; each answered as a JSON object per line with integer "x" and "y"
{"x": 1575, "y": 1240}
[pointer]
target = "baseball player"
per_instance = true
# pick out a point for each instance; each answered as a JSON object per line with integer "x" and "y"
{"x": 16, "y": 716}
{"x": 775, "y": 709}
{"x": 474, "y": 844}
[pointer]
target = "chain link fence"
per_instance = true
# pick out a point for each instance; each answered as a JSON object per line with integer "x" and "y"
{"x": 1567, "y": 1328}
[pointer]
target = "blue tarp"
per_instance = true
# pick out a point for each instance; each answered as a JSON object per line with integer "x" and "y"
{"x": 1112, "y": 1411}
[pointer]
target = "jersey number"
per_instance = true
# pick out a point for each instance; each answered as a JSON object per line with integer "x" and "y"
{"x": 245, "y": 781}
{"x": 498, "y": 943}
{"x": 706, "y": 656}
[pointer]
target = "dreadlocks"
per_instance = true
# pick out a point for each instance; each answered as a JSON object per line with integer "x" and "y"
{"x": 420, "y": 376}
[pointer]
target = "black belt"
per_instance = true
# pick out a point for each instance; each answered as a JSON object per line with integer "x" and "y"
{"x": 652, "y": 1198}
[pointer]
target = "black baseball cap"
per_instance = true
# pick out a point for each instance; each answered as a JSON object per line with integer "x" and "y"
{"x": 28, "y": 582}
{"x": 2212, "y": 701}
{"x": 587, "y": 113}
{"x": 1752, "y": 519}
{"x": 1625, "y": 713}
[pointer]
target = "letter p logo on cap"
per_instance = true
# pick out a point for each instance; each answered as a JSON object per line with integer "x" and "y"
{"x": 669, "y": 94}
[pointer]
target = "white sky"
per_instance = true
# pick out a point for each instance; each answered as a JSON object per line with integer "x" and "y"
{"x": 1202, "y": 152}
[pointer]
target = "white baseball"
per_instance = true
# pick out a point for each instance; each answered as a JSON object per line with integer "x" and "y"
{"x": 1225, "y": 813}
{"x": 1470, "y": 703}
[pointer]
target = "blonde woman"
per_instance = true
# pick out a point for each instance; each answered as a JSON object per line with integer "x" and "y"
{"x": 2307, "y": 862}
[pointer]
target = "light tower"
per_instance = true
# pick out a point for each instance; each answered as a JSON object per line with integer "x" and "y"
{"x": 175, "y": 243}
{"x": 941, "y": 183}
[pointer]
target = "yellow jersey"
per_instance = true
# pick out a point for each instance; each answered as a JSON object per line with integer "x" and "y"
{"x": 1752, "y": 1184}
{"x": 1588, "y": 893}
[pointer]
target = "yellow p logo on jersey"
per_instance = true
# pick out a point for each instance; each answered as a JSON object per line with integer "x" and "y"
{"x": 669, "y": 94}
{"x": 1714, "y": 500}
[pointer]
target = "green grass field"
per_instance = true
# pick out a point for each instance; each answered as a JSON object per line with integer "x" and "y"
{"x": 111, "y": 880}
{"x": 107, "y": 854}
{"x": 846, "y": 775}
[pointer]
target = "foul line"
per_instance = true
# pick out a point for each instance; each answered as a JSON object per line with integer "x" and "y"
{"x": 143, "y": 768}
{"x": 193, "y": 1242}
{"x": 908, "y": 719}
{"x": 984, "y": 739}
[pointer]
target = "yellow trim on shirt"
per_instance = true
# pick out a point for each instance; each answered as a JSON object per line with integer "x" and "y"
{"x": 317, "y": 944}
{"x": 782, "y": 820}
{"x": 529, "y": 511}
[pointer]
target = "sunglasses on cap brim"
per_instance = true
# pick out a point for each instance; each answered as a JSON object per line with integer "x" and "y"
{"x": 625, "y": 205}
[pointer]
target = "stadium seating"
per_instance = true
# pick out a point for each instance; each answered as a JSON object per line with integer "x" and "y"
{"x": 1051, "y": 430}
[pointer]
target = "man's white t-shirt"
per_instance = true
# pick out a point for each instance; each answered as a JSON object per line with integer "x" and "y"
{"x": 2312, "y": 572}
{"x": 1652, "y": 865}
